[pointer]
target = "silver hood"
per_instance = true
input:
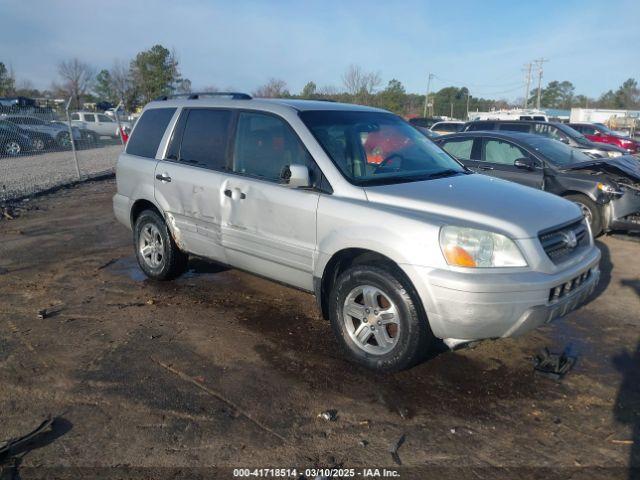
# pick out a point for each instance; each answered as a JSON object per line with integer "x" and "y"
{"x": 481, "y": 201}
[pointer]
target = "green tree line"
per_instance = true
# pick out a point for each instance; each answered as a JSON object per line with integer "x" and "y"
{"x": 155, "y": 72}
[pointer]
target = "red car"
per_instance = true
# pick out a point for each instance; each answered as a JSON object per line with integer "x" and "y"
{"x": 598, "y": 132}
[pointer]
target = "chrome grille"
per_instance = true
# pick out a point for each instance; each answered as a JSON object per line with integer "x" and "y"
{"x": 557, "y": 243}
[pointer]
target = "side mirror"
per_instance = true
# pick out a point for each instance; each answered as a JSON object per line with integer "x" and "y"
{"x": 524, "y": 163}
{"x": 296, "y": 176}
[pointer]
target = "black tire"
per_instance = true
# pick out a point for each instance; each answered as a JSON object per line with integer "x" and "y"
{"x": 173, "y": 263}
{"x": 595, "y": 212}
{"x": 414, "y": 337}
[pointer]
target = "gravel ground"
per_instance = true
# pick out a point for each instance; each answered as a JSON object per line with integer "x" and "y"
{"x": 25, "y": 175}
{"x": 220, "y": 369}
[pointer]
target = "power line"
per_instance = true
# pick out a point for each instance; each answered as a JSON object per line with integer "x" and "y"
{"x": 514, "y": 89}
{"x": 478, "y": 85}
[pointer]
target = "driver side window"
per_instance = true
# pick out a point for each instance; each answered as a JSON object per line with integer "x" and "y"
{"x": 501, "y": 152}
{"x": 265, "y": 145}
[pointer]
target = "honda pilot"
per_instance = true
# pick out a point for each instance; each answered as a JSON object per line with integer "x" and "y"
{"x": 399, "y": 242}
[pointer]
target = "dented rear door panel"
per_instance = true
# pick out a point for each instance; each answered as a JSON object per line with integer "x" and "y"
{"x": 191, "y": 202}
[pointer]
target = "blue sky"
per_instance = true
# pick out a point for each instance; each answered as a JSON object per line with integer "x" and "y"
{"x": 241, "y": 44}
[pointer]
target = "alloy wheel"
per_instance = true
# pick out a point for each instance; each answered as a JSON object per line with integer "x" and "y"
{"x": 371, "y": 319}
{"x": 151, "y": 246}
{"x": 12, "y": 148}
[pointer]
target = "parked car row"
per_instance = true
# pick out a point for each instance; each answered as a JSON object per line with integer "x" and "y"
{"x": 554, "y": 130}
{"x": 579, "y": 135}
{"x": 20, "y": 134}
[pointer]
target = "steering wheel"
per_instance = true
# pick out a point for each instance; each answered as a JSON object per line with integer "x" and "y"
{"x": 383, "y": 163}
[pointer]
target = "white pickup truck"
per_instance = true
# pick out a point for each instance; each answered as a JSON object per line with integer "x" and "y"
{"x": 99, "y": 123}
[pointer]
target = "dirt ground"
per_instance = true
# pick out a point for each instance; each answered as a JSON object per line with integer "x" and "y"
{"x": 220, "y": 369}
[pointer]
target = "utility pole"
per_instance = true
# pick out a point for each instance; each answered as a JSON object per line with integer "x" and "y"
{"x": 467, "y": 117}
{"x": 426, "y": 98}
{"x": 451, "y": 110}
{"x": 528, "y": 80}
{"x": 539, "y": 63}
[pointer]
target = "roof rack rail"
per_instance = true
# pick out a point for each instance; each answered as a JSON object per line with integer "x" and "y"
{"x": 197, "y": 95}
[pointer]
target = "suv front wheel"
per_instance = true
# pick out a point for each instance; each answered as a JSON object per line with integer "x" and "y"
{"x": 376, "y": 319}
{"x": 158, "y": 255}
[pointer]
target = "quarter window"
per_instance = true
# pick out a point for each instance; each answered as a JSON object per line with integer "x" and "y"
{"x": 265, "y": 145}
{"x": 501, "y": 152}
{"x": 148, "y": 133}
{"x": 75, "y": 116}
{"x": 460, "y": 149}
{"x": 204, "y": 141}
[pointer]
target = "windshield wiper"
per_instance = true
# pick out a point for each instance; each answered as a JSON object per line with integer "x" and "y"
{"x": 444, "y": 173}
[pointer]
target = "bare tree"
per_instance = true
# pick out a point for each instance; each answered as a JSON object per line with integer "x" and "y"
{"x": 356, "y": 81}
{"x": 77, "y": 77}
{"x": 120, "y": 78}
{"x": 272, "y": 89}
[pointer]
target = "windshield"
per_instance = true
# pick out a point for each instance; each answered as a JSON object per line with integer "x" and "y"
{"x": 602, "y": 127}
{"x": 372, "y": 148}
{"x": 558, "y": 153}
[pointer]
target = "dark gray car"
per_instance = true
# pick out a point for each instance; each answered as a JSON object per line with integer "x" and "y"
{"x": 554, "y": 130}
{"x": 607, "y": 190}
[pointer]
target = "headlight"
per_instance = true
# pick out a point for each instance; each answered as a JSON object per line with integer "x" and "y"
{"x": 609, "y": 189}
{"x": 469, "y": 247}
{"x": 613, "y": 154}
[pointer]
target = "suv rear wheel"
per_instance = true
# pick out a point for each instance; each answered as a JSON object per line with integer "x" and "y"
{"x": 156, "y": 252}
{"x": 376, "y": 319}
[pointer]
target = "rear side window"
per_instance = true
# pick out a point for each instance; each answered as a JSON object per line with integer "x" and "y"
{"x": 89, "y": 117}
{"x": 515, "y": 127}
{"x": 460, "y": 148}
{"x": 148, "y": 133}
{"x": 204, "y": 138}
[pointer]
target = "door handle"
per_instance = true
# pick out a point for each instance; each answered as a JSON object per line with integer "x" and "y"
{"x": 229, "y": 194}
{"x": 163, "y": 177}
{"x": 485, "y": 167}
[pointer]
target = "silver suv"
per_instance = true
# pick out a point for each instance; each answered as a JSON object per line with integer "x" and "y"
{"x": 400, "y": 243}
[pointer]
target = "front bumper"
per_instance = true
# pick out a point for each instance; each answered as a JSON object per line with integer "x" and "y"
{"x": 463, "y": 307}
{"x": 625, "y": 211}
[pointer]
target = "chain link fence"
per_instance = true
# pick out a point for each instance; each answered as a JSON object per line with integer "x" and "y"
{"x": 44, "y": 148}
